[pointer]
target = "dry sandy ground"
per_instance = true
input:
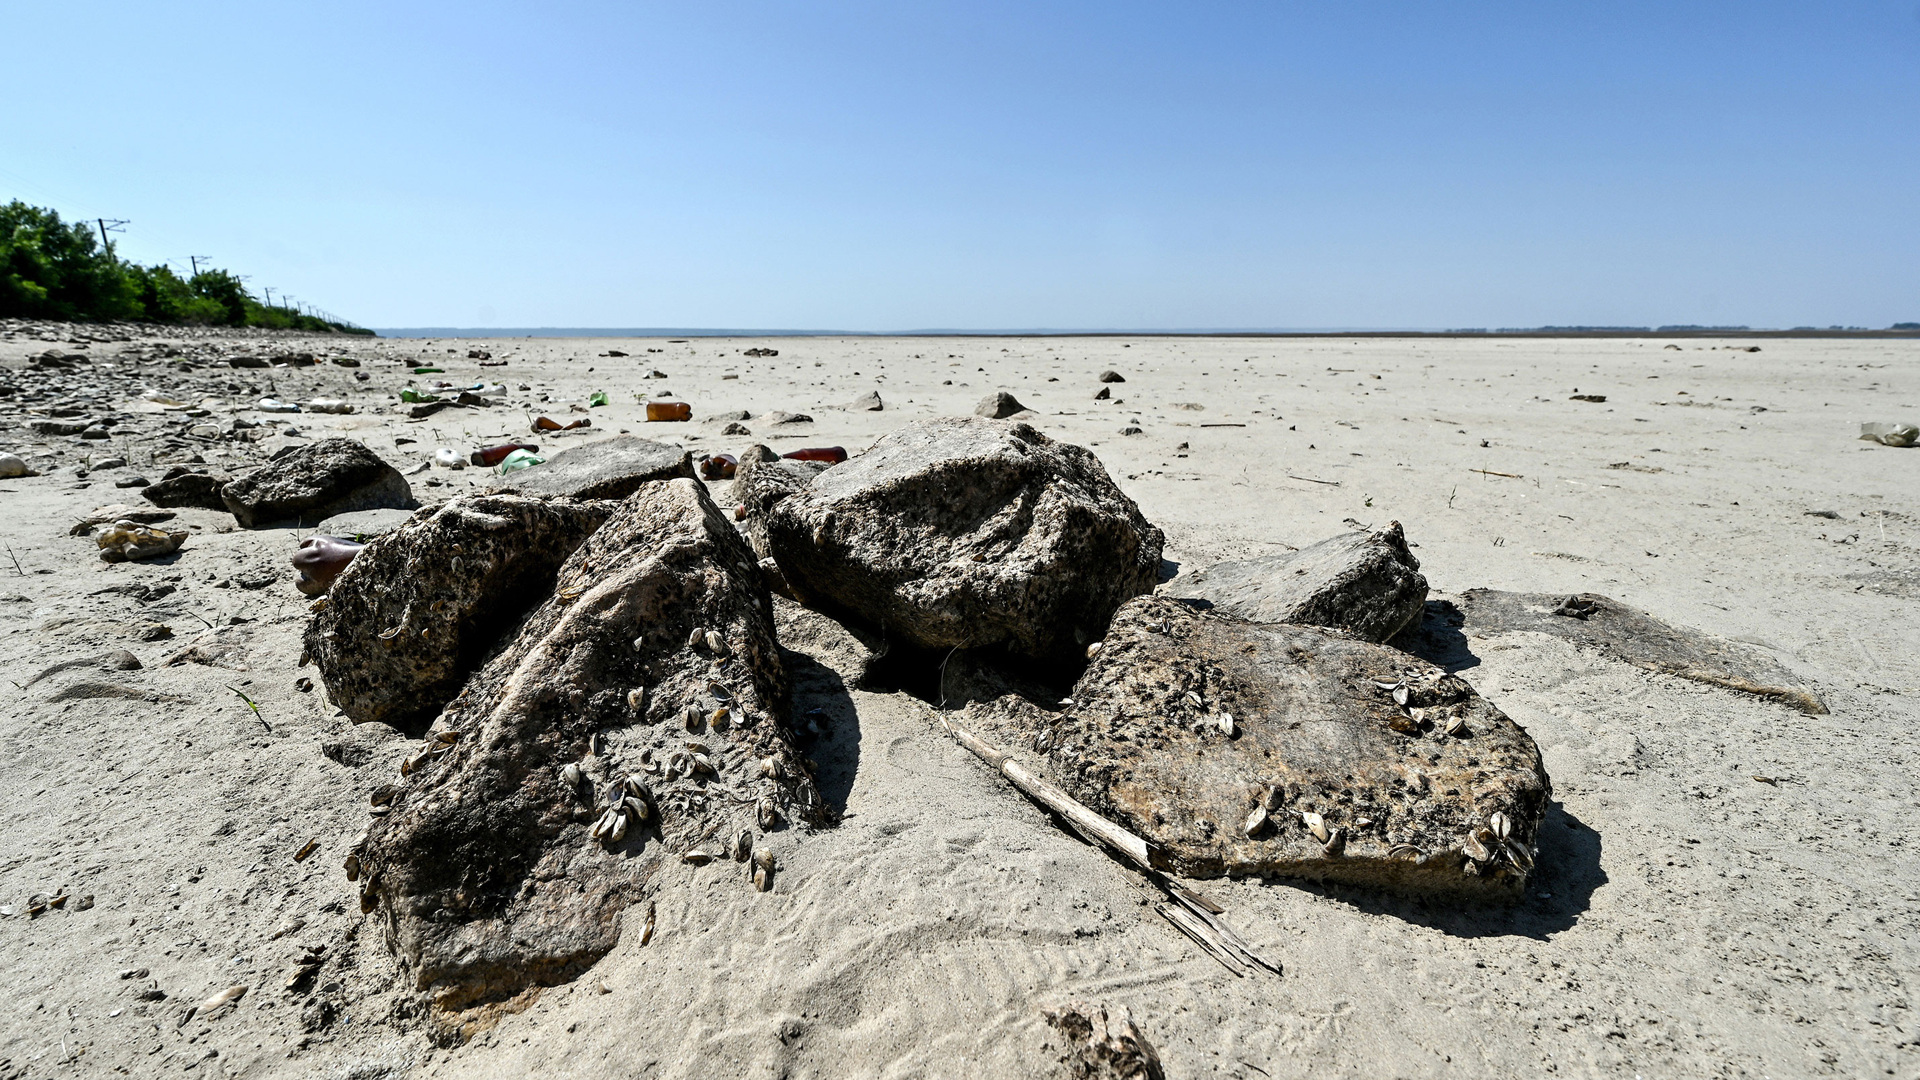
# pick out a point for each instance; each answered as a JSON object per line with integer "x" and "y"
{"x": 1688, "y": 920}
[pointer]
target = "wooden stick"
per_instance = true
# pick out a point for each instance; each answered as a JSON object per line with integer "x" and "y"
{"x": 1490, "y": 472}
{"x": 1191, "y": 926}
{"x": 1311, "y": 480}
{"x": 1084, "y": 821}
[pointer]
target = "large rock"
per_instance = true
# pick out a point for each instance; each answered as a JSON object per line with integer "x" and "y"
{"x": 611, "y": 468}
{"x": 1368, "y": 584}
{"x": 332, "y": 476}
{"x": 969, "y": 532}
{"x": 484, "y": 871}
{"x": 1411, "y": 773}
{"x": 419, "y": 609}
{"x": 760, "y": 481}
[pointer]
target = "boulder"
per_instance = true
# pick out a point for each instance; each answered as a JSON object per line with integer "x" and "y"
{"x": 971, "y": 533}
{"x": 505, "y": 857}
{"x": 332, "y": 476}
{"x": 611, "y": 468}
{"x": 1368, "y": 584}
{"x": 418, "y": 610}
{"x": 1242, "y": 748}
{"x": 998, "y": 406}
{"x": 760, "y": 481}
{"x": 201, "y": 490}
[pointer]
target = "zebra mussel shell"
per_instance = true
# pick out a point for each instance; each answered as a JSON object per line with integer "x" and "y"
{"x": 1316, "y": 825}
{"x": 743, "y": 845}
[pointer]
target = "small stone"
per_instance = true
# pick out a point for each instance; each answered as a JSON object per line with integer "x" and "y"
{"x": 998, "y": 406}
{"x": 1112, "y": 377}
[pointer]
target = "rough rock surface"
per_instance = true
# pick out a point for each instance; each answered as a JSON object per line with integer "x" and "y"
{"x": 364, "y": 524}
{"x": 1317, "y": 728}
{"x": 1614, "y": 629}
{"x": 1368, "y": 584}
{"x": 760, "y": 481}
{"x": 196, "y": 489}
{"x": 483, "y": 872}
{"x": 449, "y": 585}
{"x": 967, "y": 532}
{"x": 314, "y": 482}
{"x": 611, "y": 468}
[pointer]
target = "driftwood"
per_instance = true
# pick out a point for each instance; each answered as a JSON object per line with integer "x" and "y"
{"x": 1197, "y": 915}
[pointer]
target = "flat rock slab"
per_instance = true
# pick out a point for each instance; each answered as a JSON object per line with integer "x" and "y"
{"x": 315, "y": 482}
{"x": 1316, "y": 729}
{"x": 1368, "y": 584}
{"x": 364, "y": 525}
{"x": 484, "y": 869}
{"x": 612, "y": 468}
{"x": 418, "y": 609}
{"x": 971, "y": 533}
{"x": 1612, "y": 628}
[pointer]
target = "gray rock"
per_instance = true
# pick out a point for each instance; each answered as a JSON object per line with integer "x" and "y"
{"x": 1611, "y": 629}
{"x": 13, "y": 465}
{"x": 139, "y": 482}
{"x": 60, "y": 427}
{"x": 968, "y": 532}
{"x": 247, "y": 362}
{"x": 611, "y": 468}
{"x": 732, "y": 414}
{"x": 484, "y": 873}
{"x": 998, "y": 406}
{"x": 736, "y": 428}
{"x": 196, "y": 489}
{"x": 1112, "y": 376}
{"x": 867, "y": 402}
{"x": 1368, "y": 584}
{"x": 451, "y": 584}
{"x": 779, "y": 416}
{"x": 1408, "y": 795}
{"x": 315, "y": 482}
{"x": 364, "y": 525}
{"x": 760, "y": 481}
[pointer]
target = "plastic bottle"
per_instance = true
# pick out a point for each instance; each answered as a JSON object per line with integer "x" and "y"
{"x": 494, "y": 455}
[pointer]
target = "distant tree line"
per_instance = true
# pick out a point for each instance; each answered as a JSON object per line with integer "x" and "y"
{"x": 53, "y": 269}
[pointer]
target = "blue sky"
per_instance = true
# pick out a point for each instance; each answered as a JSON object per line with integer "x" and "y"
{"x": 882, "y": 166}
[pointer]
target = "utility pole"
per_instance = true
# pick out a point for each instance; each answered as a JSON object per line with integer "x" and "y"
{"x": 195, "y": 260}
{"x": 116, "y": 225}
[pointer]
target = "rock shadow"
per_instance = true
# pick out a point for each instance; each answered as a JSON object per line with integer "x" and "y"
{"x": 1567, "y": 873}
{"x": 826, "y": 725}
{"x": 1438, "y": 638}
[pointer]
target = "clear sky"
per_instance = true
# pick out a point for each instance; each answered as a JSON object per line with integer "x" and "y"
{"x": 889, "y": 166}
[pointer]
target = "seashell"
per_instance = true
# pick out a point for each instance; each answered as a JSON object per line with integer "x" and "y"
{"x": 763, "y": 858}
{"x": 571, "y": 775}
{"x": 389, "y": 635}
{"x": 1406, "y": 852}
{"x": 1475, "y": 849}
{"x": 703, "y": 763}
{"x": 1501, "y": 824}
{"x": 697, "y": 857}
{"x": 1256, "y": 822}
{"x": 650, "y": 767}
{"x": 637, "y": 700}
{"x": 412, "y": 762}
{"x": 1155, "y": 627}
{"x": 1093, "y": 650}
{"x": 380, "y": 811}
{"x": 720, "y": 693}
{"x": 225, "y": 997}
{"x": 569, "y": 593}
{"x": 1456, "y": 726}
{"x": 637, "y": 809}
{"x": 762, "y": 880}
{"x": 697, "y": 638}
{"x": 1362, "y": 822}
{"x": 1336, "y": 844}
{"x": 633, "y": 787}
{"x": 1405, "y": 725}
{"x": 1226, "y": 724}
{"x": 448, "y": 737}
{"x": 693, "y": 718}
{"x": 318, "y": 606}
{"x": 619, "y": 830}
{"x": 368, "y": 897}
{"x": 1519, "y": 856}
{"x": 1385, "y": 685}
{"x": 696, "y": 747}
{"x": 766, "y": 812}
{"x": 1272, "y": 797}
{"x": 743, "y": 846}
{"x": 352, "y": 866}
{"x": 1316, "y": 825}
{"x": 1401, "y": 694}
{"x": 717, "y": 644}
{"x": 646, "y": 932}
{"x": 721, "y": 720}
{"x": 1193, "y": 699}
{"x": 603, "y": 826}
{"x": 770, "y": 768}
{"x": 306, "y": 849}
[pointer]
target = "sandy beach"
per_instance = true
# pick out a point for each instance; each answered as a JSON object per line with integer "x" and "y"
{"x": 1726, "y": 886}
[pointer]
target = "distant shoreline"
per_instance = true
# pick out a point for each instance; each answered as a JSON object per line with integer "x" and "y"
{"x": 497, "y": 333}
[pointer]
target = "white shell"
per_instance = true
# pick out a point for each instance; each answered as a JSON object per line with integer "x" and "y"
{"x": 717, "y": 644}
{"x": 1256, "y": 821}
{"x": 1501, "y": 824}
{"x": 697, "y": 638}
{"x": 1316, "y": 825}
